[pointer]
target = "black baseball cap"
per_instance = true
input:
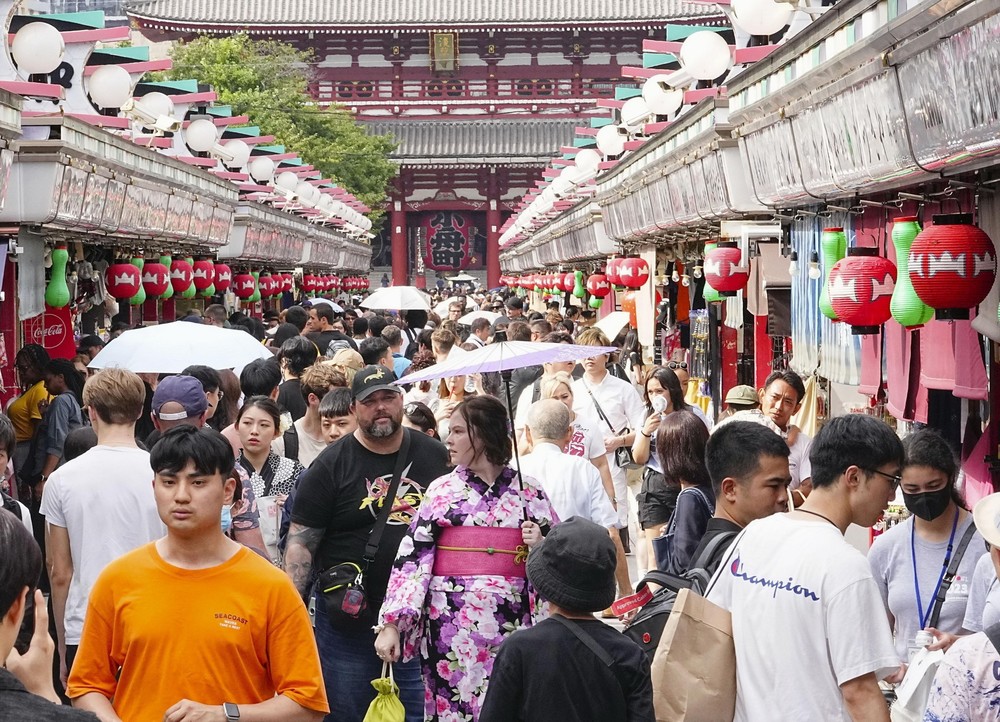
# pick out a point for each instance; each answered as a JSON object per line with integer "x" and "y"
{"x": 371, "y": 379}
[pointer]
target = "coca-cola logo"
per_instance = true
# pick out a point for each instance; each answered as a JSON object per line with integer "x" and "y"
{"x": 49, "y": 331}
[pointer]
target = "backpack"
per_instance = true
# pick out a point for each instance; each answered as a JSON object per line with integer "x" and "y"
{"x": 291, "y": 440}
{"x": 647, "y": 626}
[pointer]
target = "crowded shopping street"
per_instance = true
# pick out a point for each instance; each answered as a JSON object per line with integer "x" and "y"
{"x": 439, "y": 361}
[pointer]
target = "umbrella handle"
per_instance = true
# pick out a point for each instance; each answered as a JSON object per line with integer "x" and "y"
{"x": 506, "y": 376}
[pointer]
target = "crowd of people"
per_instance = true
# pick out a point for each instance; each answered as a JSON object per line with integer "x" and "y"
{"x": 259, "y": 545}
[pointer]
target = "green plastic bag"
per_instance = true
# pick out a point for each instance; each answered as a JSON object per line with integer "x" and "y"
{"x": 386, "y": 706}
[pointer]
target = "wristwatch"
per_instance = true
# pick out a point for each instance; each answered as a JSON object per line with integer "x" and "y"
{"x": 232, "y": 712}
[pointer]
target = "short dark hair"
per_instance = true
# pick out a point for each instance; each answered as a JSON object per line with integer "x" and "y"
{"x": 734, "y": 451}
{"x": 372, "y": 350}
{"x": 78, "y": 442}
{"x": 518, "y": 331}
{"x": 337, "y": 402}
{"x": 478, "y": 324}
{"x": 557, "y": 337}
{"x": 789, "y": 377}
{"x": 375, "y": 326}
{"x": 297, "y": 316}
{"x": 323, "y": 310}
{"x": 216, "y": 312}
{"x": 208, "y": 376}
{"x": 205, "y": 447}
{"x": 299, "y": 352}
{"x": 927, "y": 447}
{"x": 680, "y": 446}
{"x": 514, "y": 303}
{"x": 420, "y": 414}
{"x": 852, "y": 440}
{"x": 392, "y": 335}
{"x": 415, "y": 318}
{"x": 360, "y": 326}
{"x": 73, "y": 378}
{"x": 8, "y": 438}
{"x": 260, "y": 377}
{"x": 541, "y": 326}
{"x": 20, "y": 563}
{"x": 488, "y": 424}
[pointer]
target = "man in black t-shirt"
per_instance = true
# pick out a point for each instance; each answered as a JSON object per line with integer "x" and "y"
{"x": 319, "y": 329}
{"x": 338, "y": 499}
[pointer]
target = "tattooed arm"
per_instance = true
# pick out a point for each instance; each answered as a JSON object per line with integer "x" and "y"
{"x": 302, "y": 544}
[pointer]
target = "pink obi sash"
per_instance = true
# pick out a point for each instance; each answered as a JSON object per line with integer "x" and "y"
{"x": 471, "y": 551}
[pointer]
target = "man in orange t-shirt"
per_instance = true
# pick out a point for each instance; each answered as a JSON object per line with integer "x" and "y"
{"x": 194, "y": 627}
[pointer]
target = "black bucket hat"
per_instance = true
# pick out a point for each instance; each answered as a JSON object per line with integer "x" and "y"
{"x": 574, "y": 566}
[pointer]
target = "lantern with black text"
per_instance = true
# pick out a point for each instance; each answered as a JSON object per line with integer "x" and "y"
{"x": 861, "y": 286}
{"x": 244, "y": 286}
{"x": 155, "y": 279}
{"x": 223, "y": 277}
{"x": 181, "y": 275}
{"x": 724, "y": 269}
{"x": 952, "y": 265}
{"x": 123, "y": 280}
{"x": 633, "y": 272}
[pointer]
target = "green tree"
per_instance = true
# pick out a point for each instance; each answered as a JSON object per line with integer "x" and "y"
{"x": 269, "y": 81}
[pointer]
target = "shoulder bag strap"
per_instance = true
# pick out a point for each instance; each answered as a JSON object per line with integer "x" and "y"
{"x": 375, "y": 538}
{"x": 722, "y": 566}
{"x": 591, "y": 643}
{"x": 600, "y": 411}
{"x": 994, "y": 636}
{"x": 716, "y": 543}
{"x": 949, "y": 575}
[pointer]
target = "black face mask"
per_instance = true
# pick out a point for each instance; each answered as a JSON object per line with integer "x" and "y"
{"x": 930, "y": 504}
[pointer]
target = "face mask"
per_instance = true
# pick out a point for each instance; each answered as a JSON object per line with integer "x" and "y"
{"x": 928, "y": 505}
{"x": 227, "y": 519}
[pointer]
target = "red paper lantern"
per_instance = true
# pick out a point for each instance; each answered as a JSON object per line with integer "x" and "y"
{"x": 244, "y": 285}
{"x": 348, "y": 284}
{"x": 223, "y": 277}
{"x": 327, "y": 283}
{"x": 181, "y": 275}
{"x": 861, "y": 286}
{"x": 309, "y": 283}
{"x": 268, "y": 285}
{"x": 123, "y": 280}
{"x": 203, "y": 274}
{"x": 335, "y": 283}
{"x": 568, "y": 282}
{"x": 155, "y": 279}
{"x": 952, "y": 265}
{"x": 612, "y": 271}
{"x": 598, "y": 285}
{"x": 724, "y": 269}
{"x": 633, "y": 272}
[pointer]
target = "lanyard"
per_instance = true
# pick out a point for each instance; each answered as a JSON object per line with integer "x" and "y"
{"x": 923, "y": 618}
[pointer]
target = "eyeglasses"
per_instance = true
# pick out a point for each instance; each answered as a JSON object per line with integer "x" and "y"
{"x": 894, "y": 479}
{"x": 673, "y": 365}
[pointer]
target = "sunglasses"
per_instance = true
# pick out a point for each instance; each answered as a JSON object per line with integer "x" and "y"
{"x": 674, "y": 365}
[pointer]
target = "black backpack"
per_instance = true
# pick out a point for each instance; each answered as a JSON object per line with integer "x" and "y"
{"x": 647, "y": 626}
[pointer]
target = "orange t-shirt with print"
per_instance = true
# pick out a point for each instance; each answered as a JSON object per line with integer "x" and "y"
{"x": 155, "y": 634}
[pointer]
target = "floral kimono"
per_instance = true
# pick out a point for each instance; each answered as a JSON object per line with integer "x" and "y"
{"x": 458, "y": 622}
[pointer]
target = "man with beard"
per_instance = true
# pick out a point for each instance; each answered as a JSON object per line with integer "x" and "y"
{"x": 339, "y": 498}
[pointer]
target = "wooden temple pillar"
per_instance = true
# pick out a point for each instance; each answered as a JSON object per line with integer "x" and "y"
{"x": 400, "y": 247}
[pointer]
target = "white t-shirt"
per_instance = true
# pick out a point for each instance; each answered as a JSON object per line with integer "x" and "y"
{"x": 983, "y": 609}
{"x": 572, "y": 484}
{"x": 799, "y": 466}
{"x": 965, "y": 685}
{"x": 309, "y": 448}
{"x": 892, "y": 566}
{"x": 807, "y": 617}
{"x": 585, "y": 441}
{"x": 104, "y": 500}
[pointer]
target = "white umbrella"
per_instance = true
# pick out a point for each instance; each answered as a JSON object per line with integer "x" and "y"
{"x": 613, "y": 323}
{"x": 170, "y": 348}
{"x": 462, "y": 278}
{"x": 335, "y": 306}
{"x": 398, "y": 298}
{"x": 470, "y": 317}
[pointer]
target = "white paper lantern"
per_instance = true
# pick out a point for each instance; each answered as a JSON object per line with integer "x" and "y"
{"x": 240, "y": 152}
{"x": 588, "y": 160}
{"x": 261, "y": 169}
{"x": 287, "y": 181}
{"x": 325, "y": 203}
{"x": 38, "y": 48}
{"x": 761, "y": 17}
{"x": 611, "y": 141}
{"x": 706, "y": 55}
{"x": 201, "y": 135}
{"x": 110, "y": 86}
{"x": 157, "y": 103}
{"x": 660, "y": 97}
{"x": 307, "y": 194}
{"x": 635, "y": 113}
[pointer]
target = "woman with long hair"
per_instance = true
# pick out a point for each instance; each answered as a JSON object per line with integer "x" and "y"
{"x": 680, "y": 445}
{"x": 910, "y": 559}
{"x": 229, "y": 400}
{"x": 449, "y": 598}
{"x": 65, "y": 384}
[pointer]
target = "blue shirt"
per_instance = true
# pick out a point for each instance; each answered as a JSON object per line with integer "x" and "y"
{"x": 399, "y": 364}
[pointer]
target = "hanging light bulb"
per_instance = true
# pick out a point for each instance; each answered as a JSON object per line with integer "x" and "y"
{"x": 814, "y": 272}
{"x": 793, "y": 264}
{"x": 685, "y": 280}
{"x": 698, "y": 273}
{"x": 675, "y": 276}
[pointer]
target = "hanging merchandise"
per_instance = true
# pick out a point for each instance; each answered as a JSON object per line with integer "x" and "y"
{"x": 628, "y": 306}
{"x": 203, "y": 274}
{"x": 57, "y": 291}
{"x": 244, "y": 286}
{"x": 256, "y": 291}
{"x": 223, "y": 277}
{"x": 724, "y": 268}
{"x": 633, "y": 272}
{"x": 906, "y": 306}
{"x": 709, "y": 293}
{"x": 579, "y": 291}
{"x": 155, "y": 279}
{"x": 861, "y": 288}
{"x": 140, "y": 296}
{"x": 123, "y": 280}
{"x": 952, "y": 265}
{"x": 168, "y": 263}
{"x": 181, "y": 276}
{"x": 833, "y": 243}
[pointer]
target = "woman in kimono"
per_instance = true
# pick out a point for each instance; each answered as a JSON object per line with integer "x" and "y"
{"x": 458, "y": 585}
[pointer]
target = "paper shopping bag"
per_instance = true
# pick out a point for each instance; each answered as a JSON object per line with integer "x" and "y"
{"x": 386, "y": 706}
{"x": 694, "y": 668}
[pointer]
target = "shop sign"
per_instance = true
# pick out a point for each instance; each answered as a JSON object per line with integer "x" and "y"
{"x": 53, "y": 331}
